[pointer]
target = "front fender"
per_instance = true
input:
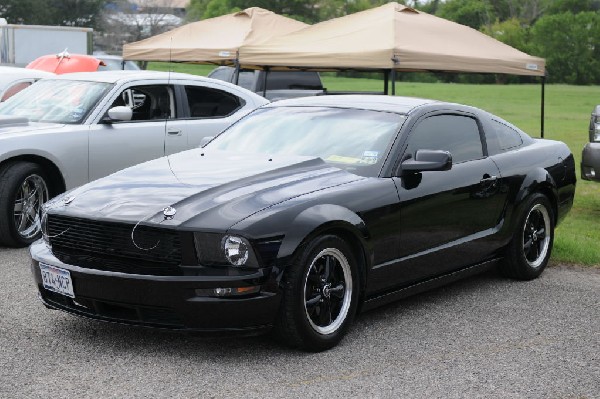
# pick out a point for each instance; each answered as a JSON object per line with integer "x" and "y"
{"x": 319, "y": 218}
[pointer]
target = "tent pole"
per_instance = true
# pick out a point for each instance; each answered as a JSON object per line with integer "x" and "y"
{"x": 386, "y": 79}
{"x": 236, "y": 63}
{"x": 265, "y": 82}
{"x": 393, "y": 82}
{"x": 543, "y": 103}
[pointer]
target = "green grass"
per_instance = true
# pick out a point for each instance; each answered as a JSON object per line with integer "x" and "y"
{"x": 568, "y": 110}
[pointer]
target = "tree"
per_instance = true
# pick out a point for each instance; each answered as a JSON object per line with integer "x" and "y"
{"x": 473, "y": 13}
{"x": 83, "y": 13}
{"x": 123, "y": 23}
{"x": 511, "y": 32}
{"x": 569, "y": 42}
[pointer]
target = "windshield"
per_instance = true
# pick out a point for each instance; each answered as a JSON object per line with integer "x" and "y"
{"x": 59, "y": 101}
{"x": 353, "y": 139}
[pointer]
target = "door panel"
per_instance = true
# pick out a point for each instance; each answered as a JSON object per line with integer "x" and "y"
{"x": 117, "y": 146}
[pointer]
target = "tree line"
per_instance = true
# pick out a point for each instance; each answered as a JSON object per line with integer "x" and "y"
{"x": 564, "y": 32}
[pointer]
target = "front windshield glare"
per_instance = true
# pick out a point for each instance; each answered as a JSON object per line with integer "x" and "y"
{"x": 59, "y": 101}
{"x": 356, "y": 140}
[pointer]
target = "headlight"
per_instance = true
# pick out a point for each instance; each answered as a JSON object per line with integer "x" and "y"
{"x": 44, "y": 225}
{"x": 219, "y": 250}
{"x": 237, "y": 250}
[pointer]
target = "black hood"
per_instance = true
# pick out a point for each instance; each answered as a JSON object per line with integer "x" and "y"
{"x": 210, "y": 190}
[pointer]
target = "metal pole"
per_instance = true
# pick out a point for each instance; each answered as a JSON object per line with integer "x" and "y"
{"x": 265, "y": 82}
{"x": 393, "y": 82}
{"x": 386, "y": 79}
{"x": 236, "y": 76}
{"x": 543, "y": 103}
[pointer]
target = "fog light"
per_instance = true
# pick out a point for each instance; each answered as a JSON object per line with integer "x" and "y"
{"x": 227, "y": 292}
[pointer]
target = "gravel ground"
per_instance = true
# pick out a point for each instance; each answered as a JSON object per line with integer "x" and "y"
{"x": 482, "y": 337}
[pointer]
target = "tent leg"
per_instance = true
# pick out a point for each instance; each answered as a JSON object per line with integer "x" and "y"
{"x": 393, "y": 82}
{"x": 543, "y": 104}
{"x": 265, "y": 82}
{"x": 386, "y": 80}
{"x": 236, "y": 76}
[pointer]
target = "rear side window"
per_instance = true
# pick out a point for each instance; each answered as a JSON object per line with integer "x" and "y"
{"x": 508, "y": 138}
{"x": 454, "y": 133}
{"x": 210, "y": 103}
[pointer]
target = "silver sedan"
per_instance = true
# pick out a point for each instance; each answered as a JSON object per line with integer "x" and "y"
{"x": 68, "y": 130}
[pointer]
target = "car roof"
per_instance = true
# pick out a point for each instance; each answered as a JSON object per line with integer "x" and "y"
{"x": 396, "y": 104}
{"x": 17, "y": 72}
{"x": 116, "y": 76}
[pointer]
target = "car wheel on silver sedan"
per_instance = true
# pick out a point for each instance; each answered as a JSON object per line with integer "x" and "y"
{"x": 23, "y": 190}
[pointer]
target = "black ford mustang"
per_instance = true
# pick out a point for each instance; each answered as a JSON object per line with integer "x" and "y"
{"x": 303, "y": 213}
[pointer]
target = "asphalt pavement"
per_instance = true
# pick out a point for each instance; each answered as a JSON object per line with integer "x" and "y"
{"x": 484, "y": 337}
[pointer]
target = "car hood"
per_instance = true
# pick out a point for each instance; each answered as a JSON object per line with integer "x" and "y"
{"x": 14, "y": 124}
{"x": 209, "y": 190}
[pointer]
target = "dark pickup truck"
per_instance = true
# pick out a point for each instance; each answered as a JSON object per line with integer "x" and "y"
{"x": 280, "y": 85}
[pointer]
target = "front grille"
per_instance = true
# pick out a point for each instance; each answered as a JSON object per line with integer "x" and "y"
{"x": 109, "y": 246}
{"x": 135, "y": 314}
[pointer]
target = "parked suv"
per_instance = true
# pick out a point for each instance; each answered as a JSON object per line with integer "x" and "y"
{"x": 280, "y": 85}
{"x": 590, "y": 158}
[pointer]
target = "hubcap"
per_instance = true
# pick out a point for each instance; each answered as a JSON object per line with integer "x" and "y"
{"x": 536, "y": 235}
{"x": 328, "y": 291}
{"x": 28, "y": 205}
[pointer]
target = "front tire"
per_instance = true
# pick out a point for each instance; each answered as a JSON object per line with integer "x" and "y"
{"x": 529, "y": 251}
{"x": 23, "y": 190}
{"x": 320, "y": 294}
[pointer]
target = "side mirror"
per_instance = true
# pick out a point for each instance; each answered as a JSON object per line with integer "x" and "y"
{"x": 205, "y": 140}
{"x": 428, "y": 160}
{"x": 121, "y": 113}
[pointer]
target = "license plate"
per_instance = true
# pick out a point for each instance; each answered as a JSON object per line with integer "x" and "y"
{"x": 57, "y": 280}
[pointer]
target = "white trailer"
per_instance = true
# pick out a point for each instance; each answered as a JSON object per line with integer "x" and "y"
{"x": 21, "y": 44}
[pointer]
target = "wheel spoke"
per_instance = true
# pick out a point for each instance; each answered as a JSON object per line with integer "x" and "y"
{"x": 325, "y": 313}
{"x": 541, "y": 233}
{"x": 22, "y": 221}
{"x": 18, "y": 207}
{"x": 328, "y": 268}
{"x": 527, "y": 244}
{"x": 312, "y": 302}
{"x": 338, "y": 291}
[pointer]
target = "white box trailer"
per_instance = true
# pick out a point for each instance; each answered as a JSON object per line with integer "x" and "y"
{"x": 21, "y": 44}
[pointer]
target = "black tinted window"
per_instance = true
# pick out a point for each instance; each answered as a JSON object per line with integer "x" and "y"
{"x": 507, "y": 137}
{"x": 454, "y": 133}
{"x": 290, "y": 80}
{"x": 206, "y": 103}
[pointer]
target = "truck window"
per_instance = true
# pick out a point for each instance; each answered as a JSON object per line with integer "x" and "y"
{"x": 291, "y": 80}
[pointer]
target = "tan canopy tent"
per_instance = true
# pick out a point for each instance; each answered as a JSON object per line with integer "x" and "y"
{"x": 215, "y": 40}
{"x": 392, "y": 36}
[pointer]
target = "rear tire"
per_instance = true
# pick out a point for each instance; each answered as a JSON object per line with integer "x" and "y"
{"x": 529, "y": 250}
{"x": 320, "y": 295}
{"x": 24, "y": 188}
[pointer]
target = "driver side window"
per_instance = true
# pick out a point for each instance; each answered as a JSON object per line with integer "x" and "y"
{"x": 454, "y": 133}
{"x": 152, "y": 102}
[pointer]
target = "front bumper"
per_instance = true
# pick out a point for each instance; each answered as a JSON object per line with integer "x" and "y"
{"x": 590, "y": 162}
{"x": 161, "y": 301}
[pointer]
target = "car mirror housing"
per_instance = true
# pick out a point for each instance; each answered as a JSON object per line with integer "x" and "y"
{"x": 428, "y": 160}
{"x": 121, "y": 113}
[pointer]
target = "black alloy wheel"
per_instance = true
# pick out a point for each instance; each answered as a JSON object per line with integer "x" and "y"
{"x": 320, "y": 295}
{"x": 529, "y": 251}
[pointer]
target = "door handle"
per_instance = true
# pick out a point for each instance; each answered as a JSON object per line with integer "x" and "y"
{"x": 488, "y": 179}
{"x": 174, "y": 132}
